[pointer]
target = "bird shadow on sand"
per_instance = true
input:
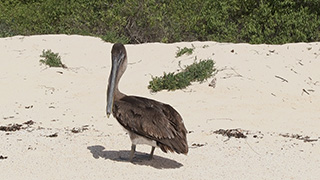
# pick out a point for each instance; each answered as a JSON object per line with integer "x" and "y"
{"x": 141, "y": 158}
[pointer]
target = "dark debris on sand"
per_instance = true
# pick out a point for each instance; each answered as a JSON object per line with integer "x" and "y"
{"x": 198, "y": 144}
{"x": 237, "y": 133}
{"x": 3, "y": 157}
{"x": 299, "y": 137}
{"x": 53, "y": 135}
{"x": 16, "y": 127}
{"x": 79, "y": 129}
{"x": 11, "y": 127}
{"x": 30, "y": 122}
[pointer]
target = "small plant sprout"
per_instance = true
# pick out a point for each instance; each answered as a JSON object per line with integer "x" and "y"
{"x": 51, "y": 59}
{"x": 184, "y": 50}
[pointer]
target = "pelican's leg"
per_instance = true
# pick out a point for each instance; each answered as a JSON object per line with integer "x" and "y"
{"x": 151, "y": 154}
{"x": 133, "y": 150}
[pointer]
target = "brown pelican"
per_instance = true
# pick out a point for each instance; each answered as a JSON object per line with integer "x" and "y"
{"x": 147, "y": 121}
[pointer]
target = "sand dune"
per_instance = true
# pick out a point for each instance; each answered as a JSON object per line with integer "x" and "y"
{"x": 270, "y": 93}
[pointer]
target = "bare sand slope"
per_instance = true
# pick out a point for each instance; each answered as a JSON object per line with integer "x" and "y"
{"x": 271, "y": 93}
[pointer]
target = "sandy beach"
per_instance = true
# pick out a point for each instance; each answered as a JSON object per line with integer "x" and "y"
{"x": 269, "y": 93}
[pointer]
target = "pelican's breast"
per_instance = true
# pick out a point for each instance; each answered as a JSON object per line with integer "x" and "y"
{"x": 136, "y": 139}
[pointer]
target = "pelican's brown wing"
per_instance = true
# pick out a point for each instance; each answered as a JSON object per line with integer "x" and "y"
{"x": 154, "y": 120}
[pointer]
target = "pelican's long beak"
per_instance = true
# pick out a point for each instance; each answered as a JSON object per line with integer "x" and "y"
{"x": 112, "y": 83}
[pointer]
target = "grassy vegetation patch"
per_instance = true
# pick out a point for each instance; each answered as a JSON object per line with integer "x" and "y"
{"x": 136, "y": 21}
{"x": 51, "y": 59}
{"x": 183, "y": 51}
{"x": 198, "y": 71}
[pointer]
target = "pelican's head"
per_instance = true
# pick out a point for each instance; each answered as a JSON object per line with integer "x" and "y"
{"x": 119, "y": 65}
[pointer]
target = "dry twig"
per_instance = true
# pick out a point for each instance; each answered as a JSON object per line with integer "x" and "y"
{"x": 283, "y": 79}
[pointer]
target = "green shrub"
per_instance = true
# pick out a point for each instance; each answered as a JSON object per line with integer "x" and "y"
{"x": 114, "y": 37}
{"x": 135, "y": 21}
{"x": 51, "y": 59}
{"x": 198, "y": 71}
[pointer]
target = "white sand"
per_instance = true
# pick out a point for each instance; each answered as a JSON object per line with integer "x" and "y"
{"x": 248, "y": 95}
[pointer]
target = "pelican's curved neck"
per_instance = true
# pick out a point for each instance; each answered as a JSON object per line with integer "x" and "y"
{"x": 117, "y": 94}
{"x": 119, "y": 65}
